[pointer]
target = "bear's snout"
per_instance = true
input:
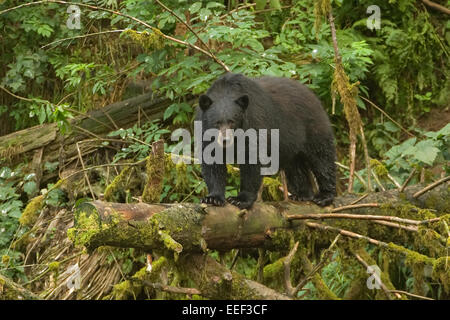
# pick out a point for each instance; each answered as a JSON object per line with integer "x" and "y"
{"x": 226, "y": 136}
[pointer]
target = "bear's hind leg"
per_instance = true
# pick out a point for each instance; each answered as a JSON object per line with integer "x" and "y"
{"x": 299, "y": 184}
{"x": 324, "y": 169}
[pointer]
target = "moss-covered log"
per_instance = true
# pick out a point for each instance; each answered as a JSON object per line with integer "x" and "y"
{"x": 193, "y": 228}
{"x": 217, "y": 282}
{"x": 10, "y": 290}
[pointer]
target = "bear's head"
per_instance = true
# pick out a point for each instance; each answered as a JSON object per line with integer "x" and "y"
{"x": 224, "y": 112}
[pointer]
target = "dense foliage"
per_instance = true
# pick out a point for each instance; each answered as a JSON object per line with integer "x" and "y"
{"x": 402, "y": 67}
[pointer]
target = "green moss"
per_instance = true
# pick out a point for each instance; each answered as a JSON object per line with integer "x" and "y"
{"x": 273, "y": 270}
{"x": 170, "y": 243}
{"x": 155, "y": 169}
{"x": 412, "y": 257}
{"x": 5, "y": 260}
{"x": 379, "y": 169}
{"x": 182, "y": 178}
{"x": 148, "y": 40}
{"x": 31, "y": 212}
{"x": 441, "y": 271}
{"x": 272, "y": 190}
{"x": 417, "y": 262}
{"x": 322, "y": 289}
{"x": 281, "y": 238}
{"x": 87, "y": 226}
{"x": 54, "y": 266}
{"x": 118, "y": 185}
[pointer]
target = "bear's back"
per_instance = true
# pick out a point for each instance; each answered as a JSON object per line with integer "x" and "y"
{"x": 296, "y": 102}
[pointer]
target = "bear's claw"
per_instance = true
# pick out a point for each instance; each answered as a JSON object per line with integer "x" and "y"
{"x": 213, "y": 200}
{"x": 239, "y": 203}
{"x": 323, "y": 200}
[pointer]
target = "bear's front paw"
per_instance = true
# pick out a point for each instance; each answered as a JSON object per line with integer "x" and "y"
{"x": 241, "y": 201}
{"x": 323, "y": 199}
{"x": 214, "y": 200}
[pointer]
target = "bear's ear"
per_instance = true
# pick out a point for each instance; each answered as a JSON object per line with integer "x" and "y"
{"x": 242, "y": 101}
{"x": 204, "y": 102}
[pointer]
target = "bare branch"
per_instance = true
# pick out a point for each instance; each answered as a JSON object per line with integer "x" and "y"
{"x": 378, "y": 279}
{"x": 407, "y": 180}
{"x": 431, "y": 186}
{"x": 325, "y": 256}
{"x": 211, "y": 54}
{"x": 355, "y": 206}
{"x": 436, "y": 6}
{"x": 387, "y": 116}
{"x": 320, "y": 216}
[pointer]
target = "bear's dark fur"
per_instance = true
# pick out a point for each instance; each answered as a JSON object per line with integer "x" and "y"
{"x": 306, "y": 138}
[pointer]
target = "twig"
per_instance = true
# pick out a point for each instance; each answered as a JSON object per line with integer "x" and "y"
{"x": 377, "y": 277}
{"x": 83, "y": 36}
{"x": 366, "y": 157}
{"x": 355, "y": 206}
{"x": 85, "y": 174}
{"x": 378, "y": 180}
{"x": 195, "y": 34}
{"x": 387, "y": 116}
{"x": 346, "y": 233}
{"x": 237, "y": 9}
{"x": 407, "y": 180}
{"x": 356, "y": 173}
{"x": 396, "y": 225}
{"x": 16, "y": 96}
{"x": 431, "y": 186}
{"x": 352, "y": 165}
{"x": 290, "y": 290}
{"x": 359, "y": 199}
{"x": 235, "y": 257}
{"x": 320, "y": 216}
{"x": 325, "y": 256}
{"x": 436, "y": 6}
{"x": 271, "y": 9}
{"x": 285, "y": 188}
{"x": 393, "y": 181}
{"x": 410, "y": 294}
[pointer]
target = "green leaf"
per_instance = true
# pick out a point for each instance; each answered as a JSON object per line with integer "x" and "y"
{"x": 170, "y": 110}
{"x": 390, "y": 126}
{"x": 260, "y": 4}
{"x": 195, "y": 7}
{"x": 30, "y": 187}
{"x": 426, "y": 152}
{"x": 275, "y": 4}
{"x": 445, "y": 131}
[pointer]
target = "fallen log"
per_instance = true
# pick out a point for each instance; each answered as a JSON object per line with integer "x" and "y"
{"x": 10, "y": 290}
{"x": 124, "y": 114}
{"x": 195, "y": 228}
{"x": 392, "y": 220}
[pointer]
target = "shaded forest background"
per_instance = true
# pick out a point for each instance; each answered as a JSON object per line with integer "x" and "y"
{"x": 50, "y": 74}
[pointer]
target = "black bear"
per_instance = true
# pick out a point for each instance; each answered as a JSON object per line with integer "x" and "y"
{"x": 306, "y": 140}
